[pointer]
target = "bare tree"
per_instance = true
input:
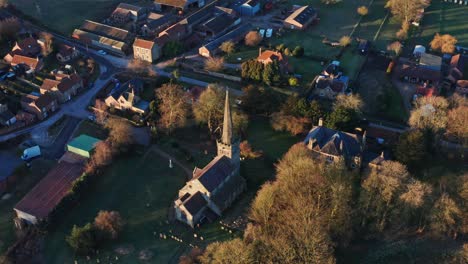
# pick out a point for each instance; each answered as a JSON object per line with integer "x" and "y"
{"x": 120, "y": 133}
{"x": 214, "y": 64}
{"x": 48, "y": 43}
{"x": 396, "y": 47}
{"x": 429, "y": 113}
{"x": 444, "y": 43}
{"x": 173, "y": 106}
{"x": 353, "y": 102}
{"x": 228, "y": 47}
{"x": 141, "y": 67}
{"x": 102, "y": 156}
{"x": 446, "y": 217}
{"x": 457, "y": 124}
{"x": 253, "y": 38}
{"x": 100, "y": 111}
{"x": 406, "y": 10}
{"x": 363, "y": 10}
{"x": 345, "y": 41}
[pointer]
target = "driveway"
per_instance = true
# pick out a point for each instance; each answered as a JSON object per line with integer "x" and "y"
{"x": 57, "y": 149}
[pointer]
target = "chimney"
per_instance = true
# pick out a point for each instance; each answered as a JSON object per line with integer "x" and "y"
{"x": 320, "y": 123}
{"x": 260, "y": 51}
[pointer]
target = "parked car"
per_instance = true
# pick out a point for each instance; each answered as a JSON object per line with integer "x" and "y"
{"x": 269, "y": 33}
{"x": 101, "y": 52}
{"x": 262, "y": 32}
{"x": 31, "y": 152}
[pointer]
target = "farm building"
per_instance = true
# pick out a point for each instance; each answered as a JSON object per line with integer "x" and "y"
{"x": 301, "y": 18}
{"x": 234, "y": 35}
{"x": 82, "y": 145}
{"x": 38, "y": 203}
{"x": 246, "y": 8}
{"x": 179, "y": 4}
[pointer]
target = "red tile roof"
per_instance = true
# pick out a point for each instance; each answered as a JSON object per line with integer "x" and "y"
{"x": 44, "y": 100}
{"x": 19, "y": 59}
{"x": 46, "y": 195}
{"x": 269, "y": 54}
{"x": 145, "y": 44}
{"x": 48, "y": 84}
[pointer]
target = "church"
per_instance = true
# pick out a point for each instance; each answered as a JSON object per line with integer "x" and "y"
{"x": 213, "y": 188}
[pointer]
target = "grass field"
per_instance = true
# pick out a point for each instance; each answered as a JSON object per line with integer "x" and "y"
{"x": 24, "y": 183}
{"x": 65, "y": 15}
{"x": 445, "y": 18}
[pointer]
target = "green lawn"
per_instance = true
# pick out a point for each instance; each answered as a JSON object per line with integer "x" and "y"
{"x": 91, "y": 129}
{"x": 445, "y": 18}
{"x": 65, "y": 15}
{"x": 352, "y": 62}
{"x": 26, "y": 180}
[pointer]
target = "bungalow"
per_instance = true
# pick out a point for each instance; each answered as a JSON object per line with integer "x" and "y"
{"x": 301, "y": 18}
{"x": 40, "y": 106}
{"x": 336, "y": 146}
{"x": 179, "y": 4}
{"x": 146, "y": 50}
{"x": 234, "y": 35}
{"x": 29, "y": 64}
{"x": 63, "y": 89}
{"x": 125, "y": 97}
{"x": 28, "y": 47}
{"x": 246, "y": 7}
{"x": 67, "y": 53}
{"x": 414, "y": 73}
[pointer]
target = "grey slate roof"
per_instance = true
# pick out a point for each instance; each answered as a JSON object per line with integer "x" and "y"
{"x": 135, "y": 83}
{"x": 195, "y": 203}
{"x": 329, "y": 141}
{"x": 215, "y": 173}
{"x": 231, "y": 35}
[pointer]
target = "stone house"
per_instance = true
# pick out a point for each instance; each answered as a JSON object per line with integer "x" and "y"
{"x": 41, "y": 106}
{"x": 215, "y": 187}
{"x": 67, "y": 53}
{"x": 146, "y": 50}
{"x": 336, "y": 146}
{"x": 156, "y": 23}
{"x": 125, "y": 97}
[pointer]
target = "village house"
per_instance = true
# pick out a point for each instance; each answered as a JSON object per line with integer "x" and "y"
{"x": 235, "y": 35}
{"x": 246, "y": 7}
{"x": 330, "y": 82}
{"x": 146, "y": 50}
{"x": 125, "y": 13}
{"x": 41, "y": 106}
{"x": 301, "y": 18}
{"x": 215, "y": 187}
{"x": 25, "y": 117}
{"x": 156, "y": 23}
{"x": 63, "y": 89}
{"x": 28, "y": 47}
{"x": 29, "y": 64}
{"x": 67, "y": 53}
{"x": 178, "y": 4}
{"x": 336, "y": 146}
{"x": 37, "y": 205}
{"x": 125, "y": 97}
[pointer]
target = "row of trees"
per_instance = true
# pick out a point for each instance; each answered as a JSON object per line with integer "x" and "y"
{"x": 256, "y": 71}
{"x": 297, "y": 115}
{"x": 87, "y": 239}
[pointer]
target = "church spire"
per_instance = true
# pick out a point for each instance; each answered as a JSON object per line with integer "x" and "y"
{"x": 227, "y": 124}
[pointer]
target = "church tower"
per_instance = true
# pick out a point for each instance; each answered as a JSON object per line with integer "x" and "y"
{"x": 228, "y": 145}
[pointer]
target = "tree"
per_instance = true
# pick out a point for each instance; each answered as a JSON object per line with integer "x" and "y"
{"x": 100, "y": 111}
{"x": 457, "y": 121}
{"x": 412, "y": 148}
{"x": 253, "y": 38}
{"x": 83, "y": 239}
{"x": 352, "y": 102}
{"x": 259, "y": 100}
{"x": 230, "y": 252}
{"x": 228, "y": 47}
{"x": 363, "y": 10}
{"x": 193, "y": 257}
{"x": 298, "y": 51}
{"x": 173, "y": 106}
{"x": 402, "y": 34}
{"x": 446, "y": 217}
{"x": 429, "y": 113}
{"x": 379, "y": 198}
{"x": 345, "y": 41}
{"x": 172, "y": 49}
{"x": 444, "y": 43}
{"x": 141, "y": 67}
{"x": 209, "y": 110}
{"x": 343, "y": 119}
{"x": 271, "y": 73}
{"x": 109, "y": 222}
{"x": 293, "y": 81}
{"x": 215, "y": 64}
{"x": 247, "y": 151}
{"x": 396, "y": 47}
{"x": 48, "y": 39}
{"x": 120, "y": 133}
{"x": 406, "y": 10}
{"x": 292, "y": 124}
{"x": 3, "y": 3}
{"x": 102, "y": 156}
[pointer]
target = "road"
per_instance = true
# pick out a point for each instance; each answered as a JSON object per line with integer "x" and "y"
{"x": 56, "y": 150}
